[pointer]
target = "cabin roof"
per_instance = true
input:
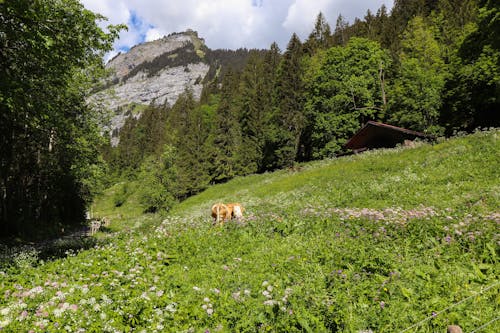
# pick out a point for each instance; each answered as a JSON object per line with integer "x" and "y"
{"x": 379, "y": 135}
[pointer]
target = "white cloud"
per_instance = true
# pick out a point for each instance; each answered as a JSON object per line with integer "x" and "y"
{"x": 154, "y": 34}
{"x": 226, "y": 23}
{"x": 302, "y": 13}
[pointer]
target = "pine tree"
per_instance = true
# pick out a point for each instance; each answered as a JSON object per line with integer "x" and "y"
{"x": 320, "y": 37}
{"x": 225, "y": 136}
{"x": 269, "y": 104}
{"x": 252, "y": 115}
{"x": 289, "y": 116}
{"x": 341, "y": 34}
{"x": 188, "y": 130}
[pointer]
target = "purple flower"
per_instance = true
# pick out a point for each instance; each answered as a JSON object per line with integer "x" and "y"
{"x": 382, "y": 304}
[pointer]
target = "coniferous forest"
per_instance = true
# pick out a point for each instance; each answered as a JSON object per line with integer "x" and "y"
{"x": 427, "y": 65}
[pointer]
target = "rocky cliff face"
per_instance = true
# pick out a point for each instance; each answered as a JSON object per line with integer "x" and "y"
{"x": 153, "y": 73}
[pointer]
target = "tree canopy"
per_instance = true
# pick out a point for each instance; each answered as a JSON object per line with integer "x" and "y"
{"x": 49, "y": 53}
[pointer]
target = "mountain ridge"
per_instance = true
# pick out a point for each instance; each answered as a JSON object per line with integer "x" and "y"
{"x": 157, "y": 73}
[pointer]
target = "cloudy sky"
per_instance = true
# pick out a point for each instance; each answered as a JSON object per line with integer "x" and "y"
{"x": 227, "y": 24}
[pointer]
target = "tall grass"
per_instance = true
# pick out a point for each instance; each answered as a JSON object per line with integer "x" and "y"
{"x": 383, "y": 241}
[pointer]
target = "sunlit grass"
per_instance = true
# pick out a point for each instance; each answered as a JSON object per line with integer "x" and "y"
{"x": 379, "y": 241}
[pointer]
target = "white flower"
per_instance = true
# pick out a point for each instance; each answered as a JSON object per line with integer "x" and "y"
{"x": 58, "y": 312}
{"x": 5, "y": 323}
{"x": 172, "y": 307}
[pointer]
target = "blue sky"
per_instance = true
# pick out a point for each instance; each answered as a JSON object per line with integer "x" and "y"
{"x": 227, "y": 24}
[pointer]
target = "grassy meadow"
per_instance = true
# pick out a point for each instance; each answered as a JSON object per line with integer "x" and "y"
{"x": 399, "y": 240}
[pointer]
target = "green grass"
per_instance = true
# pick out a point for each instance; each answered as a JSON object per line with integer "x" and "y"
{"x": 382, "y": 241}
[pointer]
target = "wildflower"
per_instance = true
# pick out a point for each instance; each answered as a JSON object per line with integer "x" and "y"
{"x": 172, "y": 307}
{"x": 195, "y": 288}
{"x": 206, "y": 300}
{"x": 216, "y": 291}
{"x": 236, "y": 296}
{"x": 4, "y": 323}
{"x": 434, "y": 314}
{"x": 210, "y": 311}
{"x": 58, "y": 312}
{"x": 382, "y": 304}
{"x": 36, "y": 290}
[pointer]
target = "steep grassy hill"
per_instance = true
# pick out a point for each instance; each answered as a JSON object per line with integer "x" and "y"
{"x": 387, "y": 241}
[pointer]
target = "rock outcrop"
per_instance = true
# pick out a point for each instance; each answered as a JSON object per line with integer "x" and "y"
{"x": 153, "y": 73}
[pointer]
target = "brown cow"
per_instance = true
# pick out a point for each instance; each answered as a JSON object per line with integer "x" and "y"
{"x": 454, "y": 329}
{"x": 236, "y": 210}
{"x": 221, "y": 213}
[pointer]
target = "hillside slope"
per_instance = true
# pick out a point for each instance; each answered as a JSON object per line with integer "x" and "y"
{"x": 384, "y": 241}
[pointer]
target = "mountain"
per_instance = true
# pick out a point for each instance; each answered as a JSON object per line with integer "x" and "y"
{"x": 157, "y": 72}
{"x": 138, "y": 80}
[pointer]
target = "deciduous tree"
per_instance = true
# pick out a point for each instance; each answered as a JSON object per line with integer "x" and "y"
{"x": 347, "y": 90}
{"x": 49, "y": 52}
